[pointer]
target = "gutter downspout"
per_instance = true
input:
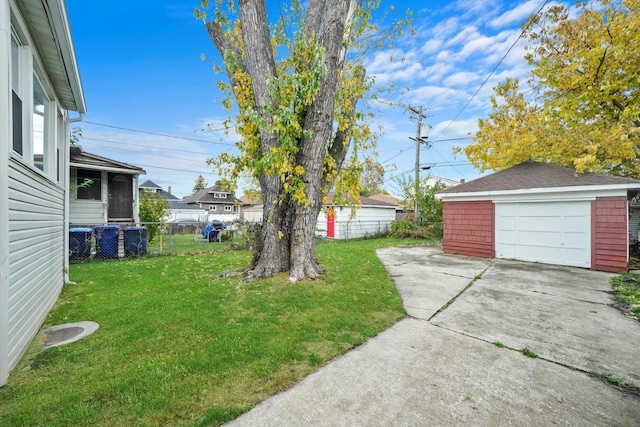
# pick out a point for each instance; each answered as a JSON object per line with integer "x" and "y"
{"x": 67, "y": 189}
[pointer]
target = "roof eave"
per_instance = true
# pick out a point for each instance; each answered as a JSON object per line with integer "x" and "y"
{"x": 61, "y": 59}
{"x": 532, "y": 191}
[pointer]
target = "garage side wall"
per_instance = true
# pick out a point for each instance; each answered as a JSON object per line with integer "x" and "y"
{"x": 609, "y": 246}
{"x": 469, "y": 228}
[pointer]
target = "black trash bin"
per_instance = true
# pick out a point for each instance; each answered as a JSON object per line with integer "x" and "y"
{"x": 135, "y": 241}
{"x": 107, "y": 240}
{"x": 79, "y": 243}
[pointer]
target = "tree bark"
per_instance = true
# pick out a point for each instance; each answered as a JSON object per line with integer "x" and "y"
{"x": 319, "y": 120}
{"x": 288, "y": 229}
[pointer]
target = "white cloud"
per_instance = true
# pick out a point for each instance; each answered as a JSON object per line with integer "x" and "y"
{"x": 462, "y": 78}
{"x": 431, "y": 46}
{"x": 517, "y": 15}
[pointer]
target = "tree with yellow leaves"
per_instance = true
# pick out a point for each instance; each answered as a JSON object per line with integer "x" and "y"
{"x": 296, "y": 80}
{"x": 583, "y": 109}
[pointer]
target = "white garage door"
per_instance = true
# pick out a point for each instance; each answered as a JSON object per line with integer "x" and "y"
{"x": 549, "y": 232}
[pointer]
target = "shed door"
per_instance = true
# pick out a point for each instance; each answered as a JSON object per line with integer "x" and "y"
{"x": 548, "y": 232}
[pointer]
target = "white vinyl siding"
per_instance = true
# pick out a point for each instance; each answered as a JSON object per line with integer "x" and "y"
{"x": 556, "y": 232}
{"x": 87, "y": 212}
{"x": 36, "y": 254}
{"x": 369, "y": 220}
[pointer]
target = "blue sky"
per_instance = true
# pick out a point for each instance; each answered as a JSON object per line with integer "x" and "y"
{"x": 141, "y": 69}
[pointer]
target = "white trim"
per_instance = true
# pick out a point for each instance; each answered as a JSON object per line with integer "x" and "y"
{"x": 104, "y": 168}
{"x": 585, "y": 192}
{"x": 5, "y": 135}
{"x": 62, "y": 31}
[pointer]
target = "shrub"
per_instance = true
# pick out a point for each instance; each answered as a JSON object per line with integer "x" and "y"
{"x": 153, "y": 209}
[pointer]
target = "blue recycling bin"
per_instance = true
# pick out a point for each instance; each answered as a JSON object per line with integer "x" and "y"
{"x": 79, "y": 243}
{"x": 135, "y": 241}
{"x": 107, "y": 240}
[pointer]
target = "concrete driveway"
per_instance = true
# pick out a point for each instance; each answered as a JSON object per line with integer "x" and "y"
{"x": 442, "y": 366}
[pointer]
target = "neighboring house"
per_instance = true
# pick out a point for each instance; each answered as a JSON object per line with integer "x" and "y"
{"x": 251, "y": 209}
{"x": 112, "y": 196}
{"x": 542, "y": 213}
{"x": 400, "y": 214}
{"x": 433, "y": 180}
{"x": 39, "y": 86}
{"x": 220, "y": 204}
{"x": 371, "y": 217}
{"x": 178, "y": 209}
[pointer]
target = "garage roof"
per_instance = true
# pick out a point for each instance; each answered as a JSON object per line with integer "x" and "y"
{"x": 530, "y": 175}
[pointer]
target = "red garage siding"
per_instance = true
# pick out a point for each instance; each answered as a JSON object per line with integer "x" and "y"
{"x": 609, "y": 244}
{"x": 469, "y": 228}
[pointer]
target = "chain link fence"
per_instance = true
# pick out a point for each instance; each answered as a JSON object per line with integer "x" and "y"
{"x": 118, "y": 241}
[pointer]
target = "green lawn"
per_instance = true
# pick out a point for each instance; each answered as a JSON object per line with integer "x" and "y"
{"x": 178, "y": 344}
{"x": 165, "y": 244}
{"x": 628, "y": 288}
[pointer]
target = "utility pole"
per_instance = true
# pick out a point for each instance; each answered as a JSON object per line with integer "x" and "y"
{"x": 418, "y": 140}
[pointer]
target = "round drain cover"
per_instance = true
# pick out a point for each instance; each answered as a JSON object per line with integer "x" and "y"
{"x": 60, "y": 335}
{"x": 67, "y": 333}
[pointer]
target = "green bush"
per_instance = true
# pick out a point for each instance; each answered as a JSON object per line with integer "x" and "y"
{"x": 410, "y": 230}
{"x": 403, "y": 225}
{"x": 153, "y": 208}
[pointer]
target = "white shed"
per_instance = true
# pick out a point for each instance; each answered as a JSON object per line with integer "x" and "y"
{"x": 39, "y": 85}
{"x": 371, "y": 217}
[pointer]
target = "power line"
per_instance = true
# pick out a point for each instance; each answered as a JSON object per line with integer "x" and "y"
{"x": 524, "y": 30}
{"x": 145, "y": 146}
{"x": 176, "y": 169}
{"x": 162, "y": 134}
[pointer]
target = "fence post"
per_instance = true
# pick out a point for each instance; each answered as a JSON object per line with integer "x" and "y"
{"x": 170, "y": 239}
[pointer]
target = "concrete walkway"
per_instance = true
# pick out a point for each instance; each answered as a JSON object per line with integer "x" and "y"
{"x": 441, "y": 364}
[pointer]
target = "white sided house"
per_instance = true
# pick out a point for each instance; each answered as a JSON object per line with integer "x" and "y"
{"x": 371, "y": 217}
{"x": 39, "y": 85}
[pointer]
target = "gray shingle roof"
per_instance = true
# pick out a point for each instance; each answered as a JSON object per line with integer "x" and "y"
{"x": 150, "y": 184}
{"x": 532, "y": 174}
{"x": 206, "y": 196}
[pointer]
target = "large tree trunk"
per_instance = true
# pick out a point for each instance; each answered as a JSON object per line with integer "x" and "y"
{"x": 288, "y": 230}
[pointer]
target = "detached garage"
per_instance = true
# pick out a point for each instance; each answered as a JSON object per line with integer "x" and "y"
{"x": 542, "y": 213}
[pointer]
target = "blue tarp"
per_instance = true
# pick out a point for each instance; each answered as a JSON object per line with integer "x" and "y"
{"x": 211, "y": 230}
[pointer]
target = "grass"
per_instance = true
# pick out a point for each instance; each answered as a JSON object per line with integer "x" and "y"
{"x": 165, "y": 244}
{"x": 609, "y": 378}
{"x": 179, "y": 345}
{"x": 529, "y": 353}
{"x": 628, "y": 288}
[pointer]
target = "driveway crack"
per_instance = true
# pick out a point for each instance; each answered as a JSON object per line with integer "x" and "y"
{"x": 626, "y": 387}
{"x": 452, "y": 300}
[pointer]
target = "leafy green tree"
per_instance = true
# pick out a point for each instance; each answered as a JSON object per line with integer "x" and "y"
{"x": 582, "y": 107}
{"x": 429, "y": 206}
{"x": 296, "y": 82}
{"x": 153, "y": 209}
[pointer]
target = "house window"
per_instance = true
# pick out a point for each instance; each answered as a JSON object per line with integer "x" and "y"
{"x": 39, "y": 124}
{"x": 16, "y": 98}
{"x": 212, "y": 207}
{"x": 89, "y": 184}
{"x": 219, "y": 196}
{"x": 227, "y": 208}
